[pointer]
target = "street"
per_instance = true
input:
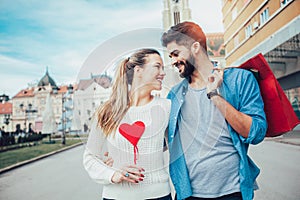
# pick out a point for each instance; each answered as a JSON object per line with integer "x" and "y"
{"x": 280, "y": 173}
{"x": 58, "y": 177}
{"x": 62, "y": 176}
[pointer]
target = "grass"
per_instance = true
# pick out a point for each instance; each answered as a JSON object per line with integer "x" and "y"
{"x": 11, "y": 157}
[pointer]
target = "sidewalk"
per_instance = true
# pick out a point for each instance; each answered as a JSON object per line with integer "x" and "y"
{"x": 292, "y": 137}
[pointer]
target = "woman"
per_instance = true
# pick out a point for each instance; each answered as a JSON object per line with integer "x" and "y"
{"x": 132, "y": 124}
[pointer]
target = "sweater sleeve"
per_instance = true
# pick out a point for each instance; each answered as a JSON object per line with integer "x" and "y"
{"x": 92, "y": 157}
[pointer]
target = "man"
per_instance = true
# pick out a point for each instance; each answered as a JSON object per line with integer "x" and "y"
{"x": 215, "y": 115}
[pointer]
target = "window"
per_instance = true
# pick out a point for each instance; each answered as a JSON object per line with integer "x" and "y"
{"x": 234, "y": 13}
{"x": 248, "y": 31}
{"x": 264, "y": 16}
{"x": 284, "y": 2}
{"x": 236, "y": 41}
{"x": 176, "y": 18}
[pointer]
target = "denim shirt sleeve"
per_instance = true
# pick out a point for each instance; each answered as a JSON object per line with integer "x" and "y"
{"x": 251, "y": 103}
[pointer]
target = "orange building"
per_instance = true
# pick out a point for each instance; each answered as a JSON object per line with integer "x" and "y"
{"x": 270, "y": 27}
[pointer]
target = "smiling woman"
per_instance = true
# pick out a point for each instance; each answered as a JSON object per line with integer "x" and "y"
{"x": 132, "y": 125}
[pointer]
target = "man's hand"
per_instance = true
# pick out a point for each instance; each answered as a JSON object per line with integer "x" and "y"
{"x": 215, "y": 80}
{"x": 108, "y": 160}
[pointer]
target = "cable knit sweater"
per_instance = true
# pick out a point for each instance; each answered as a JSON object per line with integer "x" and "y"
{"x": 149, "y": 155}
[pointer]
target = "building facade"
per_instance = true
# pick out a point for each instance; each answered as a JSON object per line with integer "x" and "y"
{"x": 5, "y": 113}
{"x": 90, "y": 94}
{"x": 270, "y": 27}
{"x": 29, "y": 104}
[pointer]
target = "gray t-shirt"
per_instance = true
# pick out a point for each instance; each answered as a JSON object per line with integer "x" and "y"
{"x": 212, "y": 160}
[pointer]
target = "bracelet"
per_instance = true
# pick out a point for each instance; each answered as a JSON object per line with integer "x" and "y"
{"x": 212, "y": 93}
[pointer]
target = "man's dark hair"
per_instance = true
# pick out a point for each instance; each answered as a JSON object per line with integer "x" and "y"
{"x": 185, "y": 33}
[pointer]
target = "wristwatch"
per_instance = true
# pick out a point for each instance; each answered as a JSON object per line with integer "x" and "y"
{"x": 212, "y": 93}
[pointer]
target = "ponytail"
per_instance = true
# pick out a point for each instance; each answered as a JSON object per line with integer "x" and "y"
{"x": 112, "y": 111}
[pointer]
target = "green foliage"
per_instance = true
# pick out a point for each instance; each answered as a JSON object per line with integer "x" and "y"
{"x": 14, "y": 156}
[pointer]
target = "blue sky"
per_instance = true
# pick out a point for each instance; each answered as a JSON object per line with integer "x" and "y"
{"x": 61, "y": 34}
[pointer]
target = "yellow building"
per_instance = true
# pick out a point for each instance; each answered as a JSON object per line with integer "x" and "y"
{"x": 270, "y": 27}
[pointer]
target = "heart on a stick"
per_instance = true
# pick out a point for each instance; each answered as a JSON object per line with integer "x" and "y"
{"x": 133, "y": 133}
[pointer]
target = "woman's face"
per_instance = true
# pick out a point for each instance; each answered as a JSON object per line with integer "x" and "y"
{"x": 152, "y": 73}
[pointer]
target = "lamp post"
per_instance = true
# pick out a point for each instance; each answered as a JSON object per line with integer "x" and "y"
{"x": 65, "y": 98}
{"x": 27, "y": 110}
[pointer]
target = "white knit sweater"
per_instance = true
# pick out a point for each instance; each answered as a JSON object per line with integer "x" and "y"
{"x": 155, "y": 116}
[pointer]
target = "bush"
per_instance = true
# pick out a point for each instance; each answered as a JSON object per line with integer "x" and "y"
{"x": 6, "y": 140}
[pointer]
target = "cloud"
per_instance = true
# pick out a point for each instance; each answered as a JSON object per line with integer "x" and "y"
{"x": 62, "y": 34}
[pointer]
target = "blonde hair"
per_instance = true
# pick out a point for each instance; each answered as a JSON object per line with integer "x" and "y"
{"x": 111, "y": 112}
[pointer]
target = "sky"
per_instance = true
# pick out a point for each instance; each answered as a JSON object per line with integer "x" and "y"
{"x": 62, "y": 35}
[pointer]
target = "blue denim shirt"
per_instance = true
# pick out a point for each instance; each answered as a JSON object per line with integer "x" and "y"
{"x": 241, "y": 90}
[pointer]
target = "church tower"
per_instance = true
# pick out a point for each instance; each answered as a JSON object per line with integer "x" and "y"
{"x": 175, "y": 11}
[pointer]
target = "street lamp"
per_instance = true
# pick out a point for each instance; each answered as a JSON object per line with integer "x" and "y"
{"x": 65, "y": 98}
{"x": 27, "y": 110}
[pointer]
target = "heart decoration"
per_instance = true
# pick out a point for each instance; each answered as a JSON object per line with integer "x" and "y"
{"x": 133, "y": 133}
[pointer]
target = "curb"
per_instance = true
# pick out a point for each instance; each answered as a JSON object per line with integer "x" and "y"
{"x": 14, "y": 166}
{"x": 295, "y": 142}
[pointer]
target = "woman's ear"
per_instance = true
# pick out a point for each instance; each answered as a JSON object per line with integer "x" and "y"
{"x": 137, "y": 70}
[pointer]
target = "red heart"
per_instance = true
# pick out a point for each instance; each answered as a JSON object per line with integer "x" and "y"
{"x": 133, "y": 132}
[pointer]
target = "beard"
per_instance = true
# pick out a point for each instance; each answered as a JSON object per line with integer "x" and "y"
{"x": 189, "y": 68}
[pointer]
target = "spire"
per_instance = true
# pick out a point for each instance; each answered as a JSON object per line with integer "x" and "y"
{"x": 47, "y": 79}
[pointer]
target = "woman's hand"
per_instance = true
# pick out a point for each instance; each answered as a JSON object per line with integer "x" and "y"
{"x": 131, "y": 173}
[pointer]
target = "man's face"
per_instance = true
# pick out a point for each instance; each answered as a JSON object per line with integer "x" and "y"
{"x": 182, "y": 59}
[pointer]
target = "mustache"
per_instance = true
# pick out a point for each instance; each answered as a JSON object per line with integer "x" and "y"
{"x": 178, "y": 63}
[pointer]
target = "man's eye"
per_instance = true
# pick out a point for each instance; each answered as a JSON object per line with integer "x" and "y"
{"x": 175, "y": 64}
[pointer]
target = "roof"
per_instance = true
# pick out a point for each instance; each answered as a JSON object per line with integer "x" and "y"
{"x": 103, "y": 80}
{"x": 25, "y": 93}
{"x": 46, "y": 80}
{"x": 6, "y": 108}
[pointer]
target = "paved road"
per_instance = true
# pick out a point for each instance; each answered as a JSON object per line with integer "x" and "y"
{"x": 58, "y": 177}
{"x": 280, "y": 170}
{"x": 62, "y": 177}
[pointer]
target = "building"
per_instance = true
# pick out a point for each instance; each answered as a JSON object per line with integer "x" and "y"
{"x": 216, "y": 49}
{"x": 270, "y": 27}
{"x": 28, "y": 105}
{"x": 5, "y": 113}
{"x": 90, "y": 94}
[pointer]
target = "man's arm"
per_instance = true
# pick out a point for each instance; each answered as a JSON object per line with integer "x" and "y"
{"x": 239, "y": 121}
{"x": 248, "y": 119}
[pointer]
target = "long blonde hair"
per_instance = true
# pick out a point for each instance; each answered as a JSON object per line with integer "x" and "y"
{"x": 111, "y": 112}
